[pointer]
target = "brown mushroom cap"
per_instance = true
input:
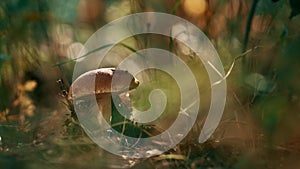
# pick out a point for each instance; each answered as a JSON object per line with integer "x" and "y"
{"x": 102, "y": 79}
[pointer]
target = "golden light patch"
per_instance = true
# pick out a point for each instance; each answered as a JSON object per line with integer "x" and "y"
{"x": 194, "y": 7}
{"x": 30, "y": 85}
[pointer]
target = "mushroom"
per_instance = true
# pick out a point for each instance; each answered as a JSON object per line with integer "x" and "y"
{"x": 101, "y": 83}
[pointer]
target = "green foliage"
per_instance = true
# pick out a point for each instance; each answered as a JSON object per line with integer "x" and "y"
{"x": 259, "y": 84}
{"x": 288, "y": 66}
{"x": 270, "y": 110}
{"x": 265, "y": 7}
{"x": 64, "y": 11}
{"x": 295, "y": 6}
{"x": 3, "y": 58}
{"x": 23, "y": 19}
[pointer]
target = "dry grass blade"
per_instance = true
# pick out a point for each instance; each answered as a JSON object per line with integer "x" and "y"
{"x": 82, "y": 56}
{"x": 232, "y": 65}
{"x": 171, "y": 157}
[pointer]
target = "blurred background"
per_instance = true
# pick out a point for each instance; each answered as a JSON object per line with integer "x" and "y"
{"x": 257, "y": 40}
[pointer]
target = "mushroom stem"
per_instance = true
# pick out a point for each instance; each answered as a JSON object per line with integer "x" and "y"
{"x": 116, "y": 117}
{"x": 104, "y": 103}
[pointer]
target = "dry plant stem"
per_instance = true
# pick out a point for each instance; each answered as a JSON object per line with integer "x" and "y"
{"x": 247, "y": 32}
